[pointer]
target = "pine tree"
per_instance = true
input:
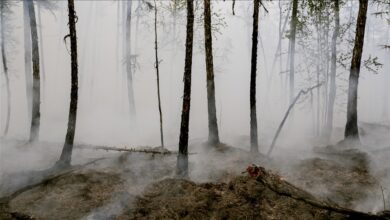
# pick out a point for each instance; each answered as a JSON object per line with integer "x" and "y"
{"x": 36, "y": 88}
{"x": 351, "y": 127}
{"x": 212, "y": 112}
{"x": 66, "y": 154}
{"x": 253, "y": 115}
{"x": 333, "y": 68}
{"x": 3, "y": 8}
{"x": 182, "y": 160}
{"x": 293, "y": 31}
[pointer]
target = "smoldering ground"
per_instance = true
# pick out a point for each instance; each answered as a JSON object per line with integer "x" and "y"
{"x": 111, "y": 186}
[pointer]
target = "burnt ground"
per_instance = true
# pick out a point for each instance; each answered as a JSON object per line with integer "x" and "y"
{"x": 78, "y": 193}
{"x": 265, "y": 196}
{"x": 144, "y": 186}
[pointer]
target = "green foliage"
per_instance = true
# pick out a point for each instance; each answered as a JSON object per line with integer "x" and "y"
{"x": 372, "y": 64}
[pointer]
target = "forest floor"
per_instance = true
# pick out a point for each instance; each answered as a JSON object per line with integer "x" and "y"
{"x": 144, "y": 186}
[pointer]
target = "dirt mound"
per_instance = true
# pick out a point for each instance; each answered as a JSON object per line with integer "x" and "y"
{"x": 71, "y": 196}
{"x": 335, "y": 181}
{"x": 266, "y": 196}
{"x": 341, "y": 176}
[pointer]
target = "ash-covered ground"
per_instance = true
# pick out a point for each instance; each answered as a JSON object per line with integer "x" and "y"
{"x": 320, "y": 182}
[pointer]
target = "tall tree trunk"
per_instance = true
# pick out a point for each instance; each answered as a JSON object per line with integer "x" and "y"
{"x": 27, "y": 59}
{"x": 212, "y": 112}
{"x": 66, "y": 154}
{"x": 117, "y": 54}
{"x": 278, "y": 52}
{"x": 318, "y": 73}
{"x": 318, "y": 119}
{"x": 386, "y": 82}
{"x": 253, "y": 116}
{"x": 36, "y": 92}
{"x": 172, "y": 98}
{"x": 333, "y": 68}
{"x": 130, "y": 89}
{"x": 43, "y": 72}
{"x": 118, "y": 12}
{"x": 351, "y": 127}
{"x": 280, "y": 45}
{"x": 124, "y": 88}
{"x": 327, "y": 72}
{"x": 137, "y": 32}
{"x": 5, "y": 68}
{"x": 182, "y": 159}
{"x": 293, "y": 30}
{"x": 158, "y": 74}
{"x": 286, "y": 76}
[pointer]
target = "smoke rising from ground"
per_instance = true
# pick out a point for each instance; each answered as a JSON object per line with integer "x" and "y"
{"x": 103, "y": 114}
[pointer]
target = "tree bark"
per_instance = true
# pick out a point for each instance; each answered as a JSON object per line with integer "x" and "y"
{"x": 293, "y": 30}
{"x": 333, "y": 68}
{"x": 351, "y": 127}
{"x": 5, "y": 68}
{"x": 158, "y": 75}
{"x": 36, "y": 91}
{"x": 212, "y": 112}
{"x": 27, "y": 59}
{"x": 118, "y": 24}
{"x": 253, "y": 115}
{"x": 130, "y": 89}
{"x": 66, "y": 154}
{"x": 182, "y": 159}
{"x": 233, "y": 7}
{"x": 43, "y": 72}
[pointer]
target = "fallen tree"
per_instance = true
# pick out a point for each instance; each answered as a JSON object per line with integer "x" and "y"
{"x": 302, "y": 92}
{"x": 125, "y": 149}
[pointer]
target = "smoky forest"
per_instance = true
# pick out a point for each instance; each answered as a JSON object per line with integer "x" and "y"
{"x": 194, "y": 109}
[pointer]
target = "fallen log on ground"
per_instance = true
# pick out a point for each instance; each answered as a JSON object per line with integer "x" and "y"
{"x": 162, "y": 151}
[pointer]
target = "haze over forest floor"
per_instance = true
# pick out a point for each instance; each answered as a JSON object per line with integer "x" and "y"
{"x": 114, "y": 185}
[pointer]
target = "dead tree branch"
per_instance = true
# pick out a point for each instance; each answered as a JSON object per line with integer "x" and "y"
{"x": 125, "y": 149}
{"x": 302, "y": 92}
{"x": 351, "y": 213}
